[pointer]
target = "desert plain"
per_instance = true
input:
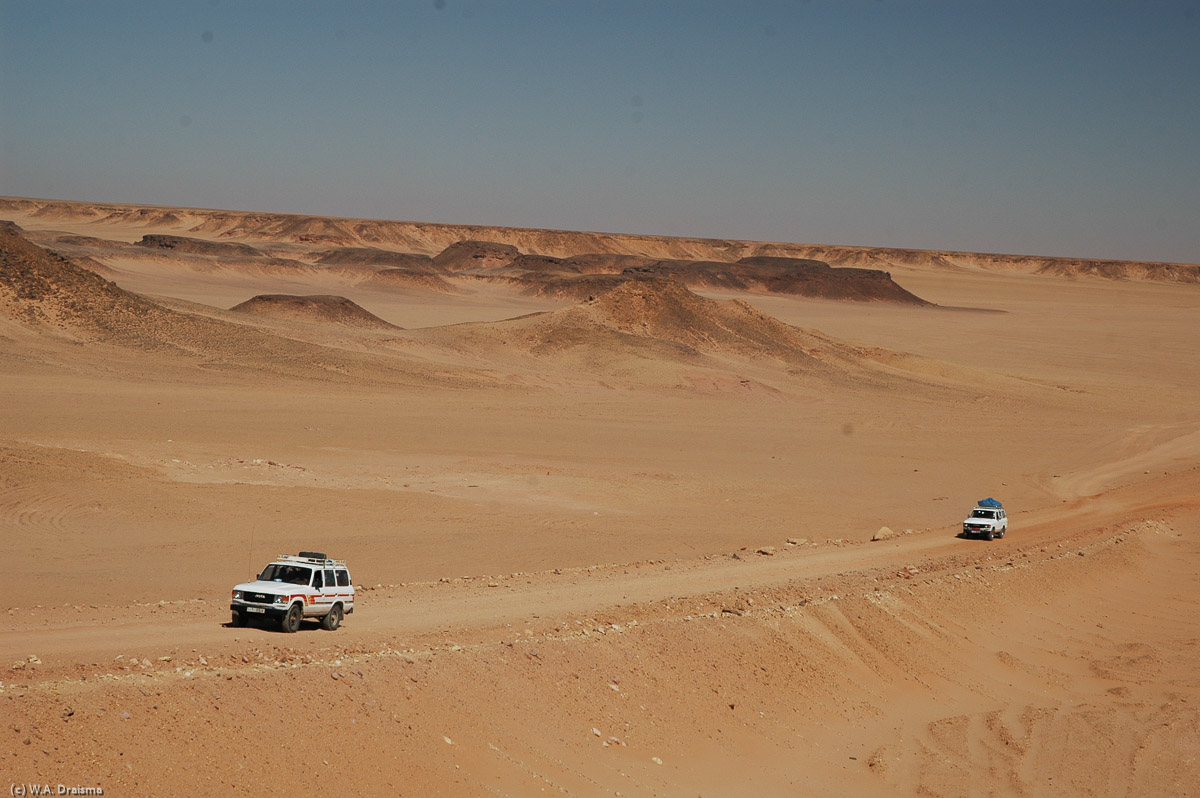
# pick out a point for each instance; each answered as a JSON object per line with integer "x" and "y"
{"x": 628, "y": 515}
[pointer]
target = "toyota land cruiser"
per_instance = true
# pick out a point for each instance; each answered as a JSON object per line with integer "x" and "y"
{"x": 294, "y": 587}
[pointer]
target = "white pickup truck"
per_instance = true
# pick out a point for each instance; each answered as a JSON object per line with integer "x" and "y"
{"x": 294, "y": 587}
{"x": 988, "y": 520}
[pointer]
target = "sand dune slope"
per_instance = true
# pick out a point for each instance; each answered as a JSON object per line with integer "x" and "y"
{"x": 1036, "y": 667}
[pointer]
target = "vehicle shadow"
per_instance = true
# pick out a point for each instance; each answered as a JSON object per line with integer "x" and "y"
{"x": 305, "y": 627}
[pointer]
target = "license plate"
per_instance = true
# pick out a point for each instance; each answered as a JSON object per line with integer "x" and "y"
{"x": 255, "y": 609}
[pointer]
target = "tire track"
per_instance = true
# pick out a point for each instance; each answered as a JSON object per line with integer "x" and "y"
{"x": 44, "y": 508}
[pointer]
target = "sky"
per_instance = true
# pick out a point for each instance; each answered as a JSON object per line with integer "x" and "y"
{"x": 1044, "y": 127}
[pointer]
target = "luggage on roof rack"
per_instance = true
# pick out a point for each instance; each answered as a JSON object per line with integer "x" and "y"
{"x": 989, "y": 502}
{"x": 304, "y": 557}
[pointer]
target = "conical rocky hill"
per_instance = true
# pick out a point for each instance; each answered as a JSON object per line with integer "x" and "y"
{"x": 668, "y": 311}
{"x": 647, "y": 318}
{"x": 39, "y": 288}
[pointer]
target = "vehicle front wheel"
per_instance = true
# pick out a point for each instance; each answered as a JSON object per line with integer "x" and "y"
{"x": 238, "y": 619}
{"x": 291, "y": 621}
{"x": 332, "y": 619}
{"x": 991, "y": 535}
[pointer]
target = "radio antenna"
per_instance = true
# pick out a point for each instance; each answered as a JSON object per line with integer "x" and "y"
{"x": 250, "y": 554}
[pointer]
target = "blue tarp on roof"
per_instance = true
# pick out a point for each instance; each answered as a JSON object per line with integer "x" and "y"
{"x": 990, "y": 502}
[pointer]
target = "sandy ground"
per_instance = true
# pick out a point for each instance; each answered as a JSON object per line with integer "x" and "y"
{"x": 608, "y": 569}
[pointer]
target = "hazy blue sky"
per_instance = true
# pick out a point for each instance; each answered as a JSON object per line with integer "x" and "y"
{"x": 1066, "y": 128}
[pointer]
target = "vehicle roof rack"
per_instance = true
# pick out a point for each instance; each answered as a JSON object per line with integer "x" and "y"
{"x": 319, "y": 559}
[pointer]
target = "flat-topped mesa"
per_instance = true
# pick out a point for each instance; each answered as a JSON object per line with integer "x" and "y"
{"x": 814, "y": 278}
{"x": 471, "y": 255}
{"x": 796, "y": 276}
{"x": 607, "y": 263}
{"x": 1122, "y": 270}
{"x": 543, "y": 264}
{"x": 581, "y": 276}
{"x": 372, "y": 258}
{"x": 198, "y": 246}
{"x": 320, "y": 308}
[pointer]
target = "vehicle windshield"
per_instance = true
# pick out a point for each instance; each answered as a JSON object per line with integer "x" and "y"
{"x": 983, "y": 514}
{"x": 292, "y": 574}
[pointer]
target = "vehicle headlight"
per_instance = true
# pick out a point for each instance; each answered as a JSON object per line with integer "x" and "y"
{"x": 280, "y": 599}
{"x": 237, "y": 594}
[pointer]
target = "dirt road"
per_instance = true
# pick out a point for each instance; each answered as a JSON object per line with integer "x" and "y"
{"x": 74, "y": 636}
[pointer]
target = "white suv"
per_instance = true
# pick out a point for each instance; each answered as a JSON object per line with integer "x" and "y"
{"x": 294, "y": 587}
{"x": 987, "y": 520}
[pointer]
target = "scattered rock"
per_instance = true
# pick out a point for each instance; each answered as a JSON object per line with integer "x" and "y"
{"x": 767, "y": 551}
{"x": 883, "y": 534}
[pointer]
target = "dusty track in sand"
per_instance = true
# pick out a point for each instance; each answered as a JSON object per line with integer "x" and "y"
{"x": 811, "y": 657}
{"x": 474, "y": 604}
